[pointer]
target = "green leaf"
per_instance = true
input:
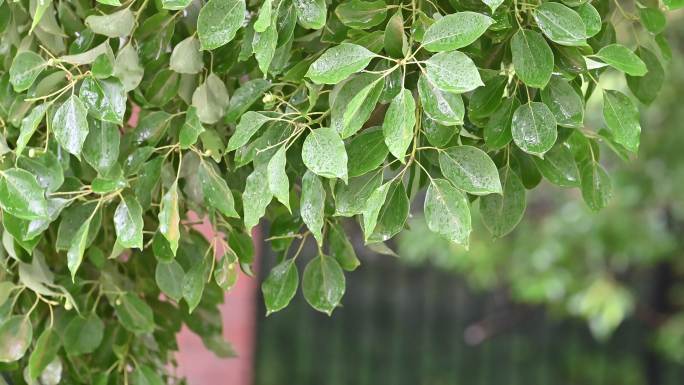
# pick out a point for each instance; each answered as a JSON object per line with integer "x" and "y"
{"x": 673, "y": 4}
{"x": 623, "y": 59}
{"x": 622, "y": 119}
{"x": 311, "y": 14}
{"x": 646, "y": 88}
{"x": 127, "y": 67}
{"x": 278, "y": 182}
{"x": 395, "y": 41}
{"x": 400, "y": 120}
{"x": 29, "y": 125}
{"x": 323, "y": 283}
{"x": 47, "y": 347}
{"x": 70, "y": 126}
{"x": 175, "y": 5}
{"x": 280, "y": 286}
{"x": 264, "y": 19}
{"x": 501, "y": 213}
{"x": 493, "y": 4}
{"x": 324, "y": 154}
{"x": 497, "y": 131}
{"x": 105, "y": 99}
{"x": 186, "y": 57}
{"x": 218, "y": 21}
{"x": 244, "y": 97}
{"x": 169, "y": 277}
{"x": 341, "y": 248}
{"x": 470, "y": 169}
{"x": 360, "y": 108}
{"x": 534, "y": 128}
{"x": 359, "y": 14}
{"x": 128, "y": 222}
{"x": 77, "y": 247}
{"x": 438, "y": 134}
{"x": 350, "y": 199}
{"x": 366, "y": 151}
{"x": 21, "y": 195}
{"x": 116, "y": 24}
{"x": 83, "y": 335}
{"x": 391, "y": 217}
{"x": 256, "y": 197}
{"x": 374, "y": 204}
{"x": 193, "y": 285}
{"x": 134, "y": 314}
{"x": 46, "y": 168}
{"x": 653, "y": 19}
{"x": 559, "y": 167}
{"x": 144, "y": 375}
{"x": 191, "y": 129}
{"x": 249, "y": 124}
{"x": 591, "y": 18}
{"x": 101, "y": 147}
{"x": 16, "y": 333}
{"x": 163, "y": 89}
{"x": 447, "y": 212}
{"x": 25, "y": 68}
{"x": 455, "y": 31}
{"x": 597, "y": 188}
{"x": 264, "y": 45}
{"x": 169, "y": 217}
{"x": 338, "y": 62}
{"x": 312, "y": 205}
{"x": 532, "y": 58}
{"x": 216, "y": 192}
{"x": 564, "y": 102}
{"x": 561, "y": 24}
{"x": 443, "y": 107}
{"x": 453, "y": 72}
{"x": 226, "y": 273}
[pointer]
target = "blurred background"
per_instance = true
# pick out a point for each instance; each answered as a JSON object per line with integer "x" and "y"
{"x": 570, "y": 297}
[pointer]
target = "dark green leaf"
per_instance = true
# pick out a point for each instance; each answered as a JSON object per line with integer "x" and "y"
{"x": 280, "y": 286}
{"x": 323, "y": 283}
{"x": 447, "y": 212}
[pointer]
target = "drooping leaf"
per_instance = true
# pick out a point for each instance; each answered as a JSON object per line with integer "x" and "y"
{"x": 312, "y": 205}
{"x": 169, "y": 217}
{"x": 249, "y": 124}
{"x": 597, "y": 188}
{"x": 447, "y": 212}
{"x": 128, "y": 222}
{"x": 622, "y": 119}
{"x": 399, "y": 123}
{"x": 502, "y": 213}
{"x": 280, "y": 286}
{"x": 216, "y": 192}
{"x": 532, "y": 58}
{"x": 323, "y": 283}
{"x": 564, "y": 102}
{"x": 186, "y": 57}
{"x": 169, "y": 278}
{"x": 83, "y": 335}
{"x": 105, "y": 99}
{"x": 443, "y": 107}
{"x": 45, "y": 351}
{"x": 278, "y": 182}
{"x": 70, "y": 125}
{"x": 256, "y": 197}
{"x": 101, "y": 147}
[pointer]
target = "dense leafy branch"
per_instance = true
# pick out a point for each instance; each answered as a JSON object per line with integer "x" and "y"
{"x": 123, "y": 123}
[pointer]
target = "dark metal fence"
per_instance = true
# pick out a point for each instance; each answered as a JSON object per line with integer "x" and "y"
{"x": 402, "y": 325}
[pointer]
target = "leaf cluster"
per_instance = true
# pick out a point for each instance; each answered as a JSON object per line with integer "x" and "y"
{"x": 125, "y": 124}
